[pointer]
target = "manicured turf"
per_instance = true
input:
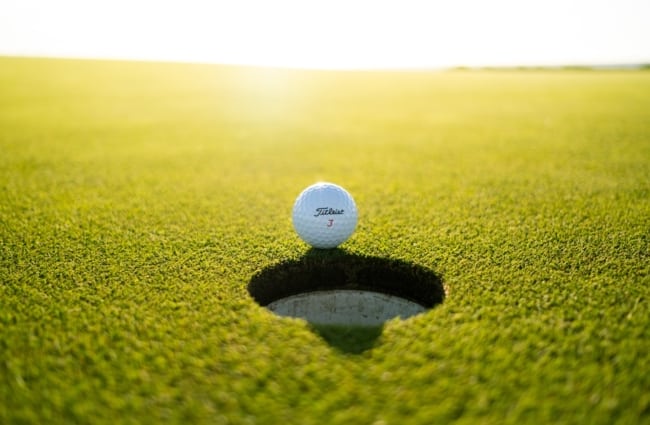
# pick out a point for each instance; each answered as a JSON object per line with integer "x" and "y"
{"x": 138, "y": 200}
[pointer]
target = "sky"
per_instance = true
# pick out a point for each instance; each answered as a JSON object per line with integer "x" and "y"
{"x": 333, "y": 33}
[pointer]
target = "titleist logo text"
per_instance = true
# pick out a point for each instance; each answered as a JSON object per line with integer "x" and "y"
{"x": 327, "y": 211}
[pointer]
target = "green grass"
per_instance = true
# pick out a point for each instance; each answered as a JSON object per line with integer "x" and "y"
{"x": 137, "y": 201}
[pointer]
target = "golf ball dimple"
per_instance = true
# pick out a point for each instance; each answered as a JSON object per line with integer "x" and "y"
{"x": 324, "y": 215}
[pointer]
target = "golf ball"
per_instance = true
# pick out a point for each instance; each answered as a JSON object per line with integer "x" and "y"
{"x": 324, "y": 215}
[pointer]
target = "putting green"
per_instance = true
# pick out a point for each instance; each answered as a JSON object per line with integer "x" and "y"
{"x": 138, "y": 200}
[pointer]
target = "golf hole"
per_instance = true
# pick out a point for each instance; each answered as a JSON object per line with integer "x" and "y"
{"x": 332, "y": 287}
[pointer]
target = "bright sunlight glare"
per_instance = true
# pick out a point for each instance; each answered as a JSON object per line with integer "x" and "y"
{"x": 333, "y": 34}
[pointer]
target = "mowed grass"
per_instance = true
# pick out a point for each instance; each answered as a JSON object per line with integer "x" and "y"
{"x": 137, "y": 200}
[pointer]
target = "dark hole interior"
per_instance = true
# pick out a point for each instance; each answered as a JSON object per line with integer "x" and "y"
{"x": 321, "y": 270}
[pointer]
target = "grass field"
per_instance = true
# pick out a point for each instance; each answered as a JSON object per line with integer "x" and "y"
{"x": 138, "y": 200}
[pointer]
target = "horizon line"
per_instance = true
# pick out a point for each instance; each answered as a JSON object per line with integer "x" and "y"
{"x": 596, "y": 65}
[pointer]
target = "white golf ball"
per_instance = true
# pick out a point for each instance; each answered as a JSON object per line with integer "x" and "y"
{"x": 324, "y": 215}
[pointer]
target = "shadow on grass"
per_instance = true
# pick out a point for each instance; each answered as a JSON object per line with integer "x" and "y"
{"x": 338, "y": 270}
{"x": 348, "y": 339}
